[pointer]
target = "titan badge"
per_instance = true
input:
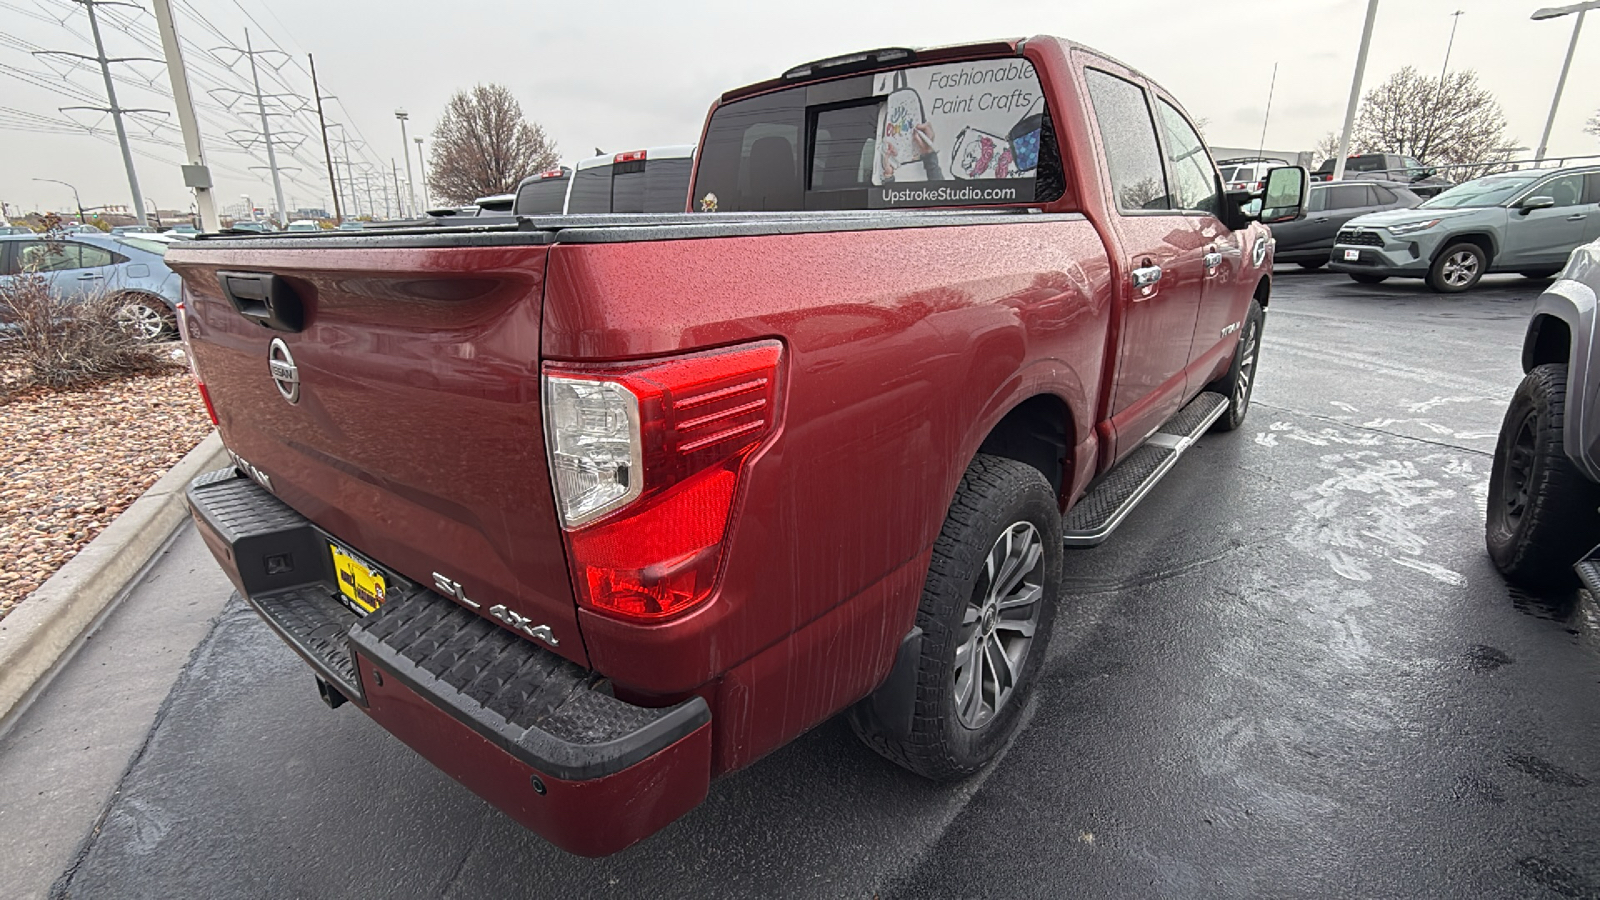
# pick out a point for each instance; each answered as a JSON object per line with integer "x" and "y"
{"x": 452, "y": 588}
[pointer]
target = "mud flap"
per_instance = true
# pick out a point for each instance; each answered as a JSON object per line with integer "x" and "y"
{"x": 894, "y": 703}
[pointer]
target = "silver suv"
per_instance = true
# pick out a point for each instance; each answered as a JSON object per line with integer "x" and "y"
{"x": 1544, "y": 490}
{"x": 1526, "y": 222}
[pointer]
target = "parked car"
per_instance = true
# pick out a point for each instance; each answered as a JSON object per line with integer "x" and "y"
{"x": 184, "y": 230}
{"x": 15, "y": 229}
{"x": 1424, "y": 181}
{"x": 132, "y": 229}
{"x": 652, "y": 180}
{"x": 1526, "y": 222}
{"x": 350, "y": 225}
{"x": 497, "y": 205}
{"x": 1247, "y": 173}
{"x": 1544, "y": 489}
{"x": 131, "y": 268}
{"x": 673, "y": 490}
{"x": 252, "y": 227}
{"x": 304, "y": 225}
{"x": 1329, "y": 206}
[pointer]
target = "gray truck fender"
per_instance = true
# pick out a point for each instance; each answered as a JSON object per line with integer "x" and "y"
{"x": 1572, "y": 304}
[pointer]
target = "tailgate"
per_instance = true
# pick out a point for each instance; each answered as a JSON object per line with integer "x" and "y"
{"x": 415, "y": 438}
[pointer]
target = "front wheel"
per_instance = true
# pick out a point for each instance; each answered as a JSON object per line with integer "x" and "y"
{"x": 1241, "y": 377}
{"x": 1368, "y": 279}
{"x": 1459, "y": 267}
{"x": 986, "y": 612}
{"x": 1542, "y": 511}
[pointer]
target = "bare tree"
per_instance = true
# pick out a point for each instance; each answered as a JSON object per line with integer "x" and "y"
{"x": 1593, "y": 125}
{"x": 1328, "y": 146}
{"x": 483, "y": 145}
{"x": 1455, "y": 122}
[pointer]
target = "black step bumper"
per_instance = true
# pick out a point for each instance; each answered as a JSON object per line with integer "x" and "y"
{"x": 545, "y": 711}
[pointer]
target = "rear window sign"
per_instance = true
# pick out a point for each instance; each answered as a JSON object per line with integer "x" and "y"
{"x": 958, "y": 133}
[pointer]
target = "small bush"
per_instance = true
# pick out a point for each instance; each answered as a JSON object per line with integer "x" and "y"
{"x": 53, "y": 342}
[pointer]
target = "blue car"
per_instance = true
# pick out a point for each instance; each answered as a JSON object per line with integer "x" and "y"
{"x": 131, "y": 268}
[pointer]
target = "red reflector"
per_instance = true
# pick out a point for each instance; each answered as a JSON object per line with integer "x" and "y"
{"x": 205, "y": 395}
{"x": 630, "y": 156}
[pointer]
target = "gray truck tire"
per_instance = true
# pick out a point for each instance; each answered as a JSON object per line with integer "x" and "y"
{"x": 984, "y": 624}
{"x": 1241, "y": 378}
{"x": 1542, "y": 511}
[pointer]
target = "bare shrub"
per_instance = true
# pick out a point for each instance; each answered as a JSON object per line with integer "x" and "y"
{"x": 54, "y": 342}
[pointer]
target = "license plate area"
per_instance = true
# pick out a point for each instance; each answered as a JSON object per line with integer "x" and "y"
{"x": 1352, "y": 256}
{"x": 362, "y": 584}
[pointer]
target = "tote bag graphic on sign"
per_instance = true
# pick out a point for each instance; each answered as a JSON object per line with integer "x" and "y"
{"x": 1024, "y": 138}
{"x": 979, "y": 154}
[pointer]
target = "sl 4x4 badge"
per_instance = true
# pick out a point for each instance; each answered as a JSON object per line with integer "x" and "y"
{"x": 452, "y": 589}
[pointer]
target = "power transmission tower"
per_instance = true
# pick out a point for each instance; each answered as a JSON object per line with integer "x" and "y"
{"x": 327, "y": 154}
{"x": 261, "y": 100}
{"x": 115, "y": 110}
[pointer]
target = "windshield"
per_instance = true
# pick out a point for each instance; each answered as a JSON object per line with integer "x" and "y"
{"x": 1491, "y": 190}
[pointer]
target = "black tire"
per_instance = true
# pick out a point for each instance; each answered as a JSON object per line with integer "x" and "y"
{"x": 147, "y": 318}
{"x": 1458, "y": 268}
{"x": 1240, "y": 381}
{"x": 1311, "y": 263}
{"x": 1542, "y": 511}
{"x": 996, "y": 497}
{"x": 1368, "y": 279}
{"x": 1540, "y": 274}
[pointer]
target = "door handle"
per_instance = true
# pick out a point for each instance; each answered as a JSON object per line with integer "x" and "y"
{"x": 1146, "y": 276}
{"x": 89, "y": 277}
{"x": 1575, "y": 218}
{"x": 1213, "y": 259}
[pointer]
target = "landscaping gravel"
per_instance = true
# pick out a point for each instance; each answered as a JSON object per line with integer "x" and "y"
{"x": 70, "y": 461}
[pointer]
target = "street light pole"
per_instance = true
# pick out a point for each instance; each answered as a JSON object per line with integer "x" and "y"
{"x": 422, "y": 163}
{"x": 1561, "y": 83}
{"x": 1355, "y": 91}
{"x": 75, "y": 198}
{"x": 405, "y": 144}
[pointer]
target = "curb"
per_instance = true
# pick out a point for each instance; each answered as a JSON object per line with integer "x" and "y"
{"x": 45, "y": 628}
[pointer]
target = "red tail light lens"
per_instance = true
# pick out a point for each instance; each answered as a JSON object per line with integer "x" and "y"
{"x": 630, "y": 156}
{"x": 188, "y": 352}
{"x": 646, "y": 459}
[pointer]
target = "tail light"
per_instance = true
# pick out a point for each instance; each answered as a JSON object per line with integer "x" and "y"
{"x": 646, "y": 459}
{"x": 188, "y": 352}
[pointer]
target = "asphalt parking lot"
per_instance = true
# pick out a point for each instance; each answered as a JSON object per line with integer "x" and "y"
{"x": 1292, "y": 672}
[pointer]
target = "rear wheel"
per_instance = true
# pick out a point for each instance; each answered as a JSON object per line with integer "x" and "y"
{"x": 1368, "y": 279}
{"x": 1459, "y": 267}
{"x": 986, "y": 612}
{"x": 1311, "y": 263}
{"x": 147, "y": 318}
{"x": 1542, "y": 511}
{"x": 1241, "y": 377}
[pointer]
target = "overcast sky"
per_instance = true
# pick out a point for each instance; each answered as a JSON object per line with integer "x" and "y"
{"x": 620, "y": 76}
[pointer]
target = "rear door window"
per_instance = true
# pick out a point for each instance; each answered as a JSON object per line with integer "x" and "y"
{"x": 1129, "y": 137}
{"x": 1347, "y": 196}
{"x": 961, "y": 134}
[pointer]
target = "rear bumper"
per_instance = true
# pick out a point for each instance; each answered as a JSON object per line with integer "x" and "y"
{"x": 532, "y": 733}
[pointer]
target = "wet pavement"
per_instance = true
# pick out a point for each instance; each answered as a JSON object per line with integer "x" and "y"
{"x": 1291, "y": 672}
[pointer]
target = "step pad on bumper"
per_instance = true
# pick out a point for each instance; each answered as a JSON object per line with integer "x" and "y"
{"x": 543, "y": 709}
{"x": 1098, "y": 513}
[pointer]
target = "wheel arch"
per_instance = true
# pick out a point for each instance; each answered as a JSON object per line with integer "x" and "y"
{"x": 1037, "y": 431}
{"x": 1263, "y": 290}
{"x": 1549, "y": 340}
{"x": 1484, "y": 239}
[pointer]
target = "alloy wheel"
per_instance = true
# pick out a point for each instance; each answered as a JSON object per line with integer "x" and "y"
{"x": 1247, "y": 367}
{"x": 998, "y": 625}
{"x": 140, "y": 320}
{"x": 1460, "y": 268}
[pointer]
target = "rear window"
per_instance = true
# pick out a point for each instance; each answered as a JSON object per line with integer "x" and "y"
{"x": 1365, "y": 164}
{"x": 635, "y": 186}
{"x": 542, "y": 197}
{"x": 960, "y": 134}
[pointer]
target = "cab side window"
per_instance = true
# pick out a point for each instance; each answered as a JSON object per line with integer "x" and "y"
{"x": 92, "y": 257}
{"x": 51, "y": 256}
{"x": 1129, "y": 137}
{"x": 1194, "y": 178}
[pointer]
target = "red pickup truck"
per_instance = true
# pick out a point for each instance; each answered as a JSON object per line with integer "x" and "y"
{"x": 590, "y": 510}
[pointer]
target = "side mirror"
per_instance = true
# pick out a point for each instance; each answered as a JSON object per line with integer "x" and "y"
{"x": 1529, "y": 204}
{"x": 1284, "y": 199}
